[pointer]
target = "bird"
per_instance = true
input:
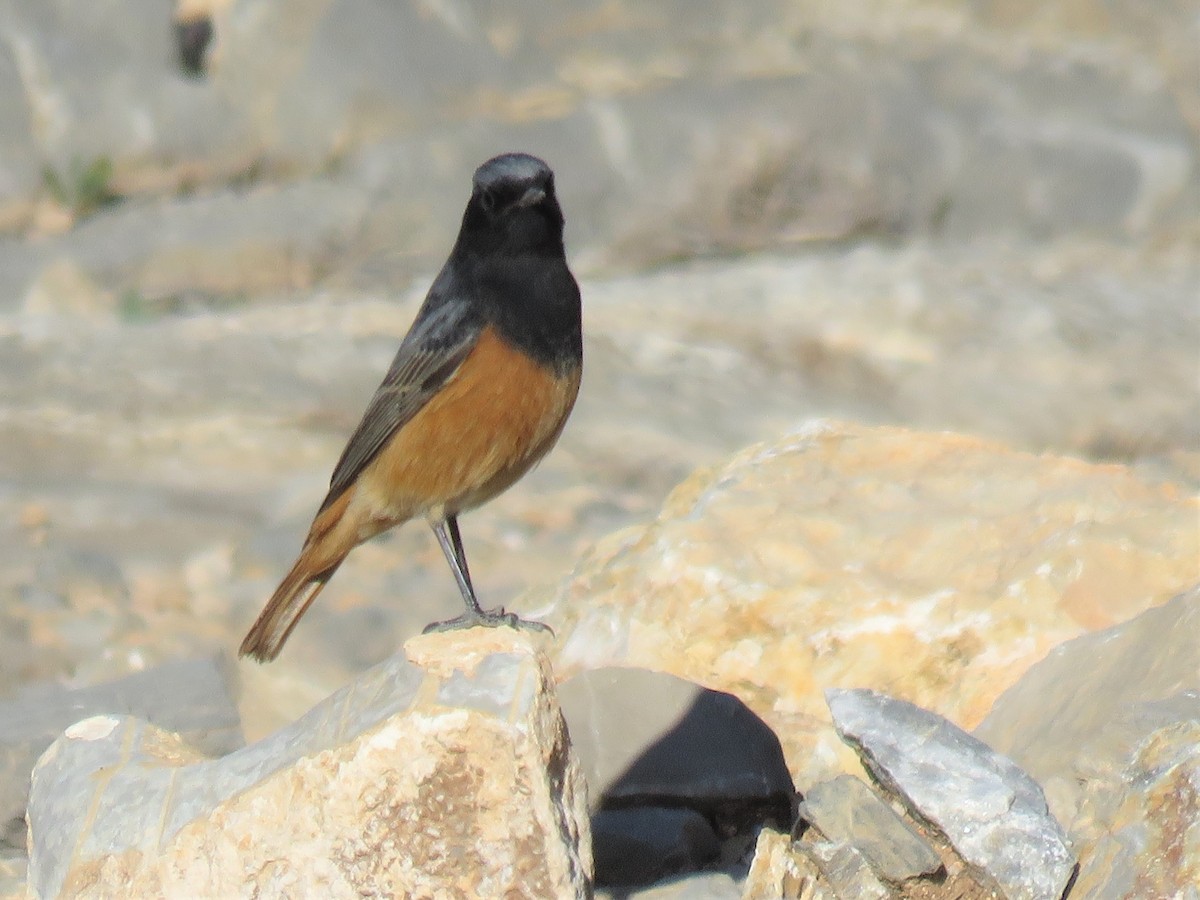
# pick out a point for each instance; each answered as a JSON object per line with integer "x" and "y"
{"x": 477, "y": 394}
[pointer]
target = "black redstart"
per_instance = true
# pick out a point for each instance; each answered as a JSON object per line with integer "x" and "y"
{"x": 479, "y": 392}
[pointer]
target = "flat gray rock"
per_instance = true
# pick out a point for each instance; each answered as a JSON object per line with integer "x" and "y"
{"x": 194, "y": 698}
{"x": 844, "y": 869}
{"x": 993, "y": 814}
{"x": 847, "y": 811}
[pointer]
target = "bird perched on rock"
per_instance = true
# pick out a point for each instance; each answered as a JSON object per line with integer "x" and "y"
{"x": 479, "y": 392}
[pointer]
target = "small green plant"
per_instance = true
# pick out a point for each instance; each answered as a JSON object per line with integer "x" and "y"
{"x": 134, "y": 306}
{"x": 83, "y": 188}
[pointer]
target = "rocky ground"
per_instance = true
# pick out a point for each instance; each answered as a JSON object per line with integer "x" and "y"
{"x": 983, "y": 218}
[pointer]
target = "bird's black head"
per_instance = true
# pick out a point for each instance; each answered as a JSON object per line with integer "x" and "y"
{"x": 513, "y": 206}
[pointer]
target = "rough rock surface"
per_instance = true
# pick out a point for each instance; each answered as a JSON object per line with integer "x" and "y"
{"x": 937, "y": 567}
{"x": 703, "y": 886}
{"x": 1108, "y": 724}
{"x": 845, "y": 811}
{"x": 446, "y": 773}
{"x": 13, "y": 878}
{"x": 192, "y": 697}
{"x": 773, "y": 872}
{"x": 934, "y": 116}
{"x": 993, "y": 814}
{"x": 1151, "y": 847}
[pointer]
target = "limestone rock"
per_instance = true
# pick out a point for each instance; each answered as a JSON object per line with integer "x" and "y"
{"x": 283, "y": 95}
{"x": 193, "y": 697}
{"x": 846, "y": 811}
{"x": 845, "y": 869}
{"x": 937, "y": 566}
{"x": 1151, "y": 847}
{"x": 13, "y": 878}
{"x": 1087, "y": 722}
{"x": 446, "y": 773}
{"x": 64, "y": 288}
{"x": 777, "y": 872}
{"x": 993, "y": 814}
{"x": 700, "y": 886}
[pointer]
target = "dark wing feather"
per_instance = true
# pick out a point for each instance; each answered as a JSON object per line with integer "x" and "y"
{"x": 444, "y": 333}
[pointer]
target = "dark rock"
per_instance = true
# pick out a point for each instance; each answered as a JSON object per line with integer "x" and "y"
{"x": 993, "y": 814}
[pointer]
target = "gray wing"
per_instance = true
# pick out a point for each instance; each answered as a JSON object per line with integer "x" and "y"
{"x": 432, "y": 351}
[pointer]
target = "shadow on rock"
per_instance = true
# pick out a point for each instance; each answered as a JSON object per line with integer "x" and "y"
{"x": 680, "y": 778}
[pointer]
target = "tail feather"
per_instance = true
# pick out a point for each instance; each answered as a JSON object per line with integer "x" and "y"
{"x": 283, "y": 611}
{"x": 329, "y": 541}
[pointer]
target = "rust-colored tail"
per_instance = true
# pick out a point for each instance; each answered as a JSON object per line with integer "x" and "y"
{"x": 327, "y": 545}
{"x": 289, "y": 602}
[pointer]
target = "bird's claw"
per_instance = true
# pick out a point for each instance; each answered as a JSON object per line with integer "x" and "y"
{"x": 494, "y": 618}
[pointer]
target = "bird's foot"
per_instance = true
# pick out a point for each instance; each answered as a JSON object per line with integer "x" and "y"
{"x": 488, "y": 618}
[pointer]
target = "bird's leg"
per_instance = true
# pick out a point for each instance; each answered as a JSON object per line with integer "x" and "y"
{"x": 450, "y": 540}
{"x": 460, "y": 557}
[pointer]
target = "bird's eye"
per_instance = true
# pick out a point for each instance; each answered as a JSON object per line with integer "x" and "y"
{"x": 487, "y": 200}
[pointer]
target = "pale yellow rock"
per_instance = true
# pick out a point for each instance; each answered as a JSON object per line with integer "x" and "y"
{"x": 779, "y": 873}
{"x": 430, "y": 779}
{"x": 63, "y": 287}
{"x": 935, "y": 567}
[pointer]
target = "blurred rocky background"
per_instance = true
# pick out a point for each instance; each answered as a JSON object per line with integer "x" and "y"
{"x": 217, "y": 218}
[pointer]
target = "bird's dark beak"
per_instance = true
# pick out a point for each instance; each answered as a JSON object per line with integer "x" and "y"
{"x": 532, "y": 197}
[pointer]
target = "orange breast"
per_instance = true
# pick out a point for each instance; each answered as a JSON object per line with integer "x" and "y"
{"x": 497, "y": 416}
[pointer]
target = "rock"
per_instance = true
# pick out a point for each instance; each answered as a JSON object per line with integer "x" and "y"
{"x": 846, "y": 811}
{"x": 65, "y": 289}
{"x": 844, "y": 869}
{"x": 448, "y": 772}
{"x": 938, "y": 112}
{"x": 222, "y": 244}
{"x": 938, "y": 565}
{"x": 1087, "y": 720}
{"x": 13, "y": 878}
{"x": 642, "y": 844}
{"x": 777, "y": 873}
{"x": 650, "y": 738}
{"x": 993, "y": 814}
{"x": 1151, "y": 846}
{"x": 195, "y": 698}
{"x": 703, "y": 886}
{"x": 664, "y": 758}
{"x": 285, "y": 101}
